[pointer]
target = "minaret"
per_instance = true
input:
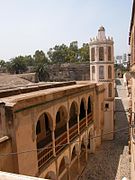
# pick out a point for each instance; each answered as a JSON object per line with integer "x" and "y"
{"x": 102, "y": 70}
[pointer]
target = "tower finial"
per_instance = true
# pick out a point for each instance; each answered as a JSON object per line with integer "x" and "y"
{"x": 101, "y": 28}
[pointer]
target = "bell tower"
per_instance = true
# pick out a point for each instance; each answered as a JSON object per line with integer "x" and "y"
{"x": 102, "y": 70}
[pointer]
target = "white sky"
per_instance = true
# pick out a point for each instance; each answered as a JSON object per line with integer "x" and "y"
{"x": 28, "y": 25}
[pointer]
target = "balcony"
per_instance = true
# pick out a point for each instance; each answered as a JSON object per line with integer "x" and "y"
{"x": 46, "y": 154}
{"x": 82, "y": 124}
{"x": 61, "y": 142}
{"x": 73, "y": 132}
{"x": 89, "y": 118}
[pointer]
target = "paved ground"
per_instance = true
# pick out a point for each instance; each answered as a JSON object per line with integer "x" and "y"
{"x": 111, "y": 160}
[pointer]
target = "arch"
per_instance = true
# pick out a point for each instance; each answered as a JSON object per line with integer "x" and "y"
{"x": 93, "y": 54}
{"x": 76, "y": 149}
{"x": 49, "y": 116}
{"x": 61, "y": 121}
{"x": 51, "y": 175}
{"x": 73, "y": 155}
{"x": 110, "y": 90}
{"x": 63, "y": 163}
{"x": 89, "y": 138}
{"x": 43, "y": 130}
{"x": 101, "y": 53}
{"x": 109, "y": 72}
{"x": 101, "y": 72}
{"x": 82, "y": 145}
{"x": 73, "y": 114}
{"x": 76, "y": 106}
{"x": 93, "y": 72}
{"x": 64, "y": 112}
{"x": 89, "y": 110}
{"x": 82, "y": 109}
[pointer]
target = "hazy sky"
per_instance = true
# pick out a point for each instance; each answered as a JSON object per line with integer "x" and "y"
{"x": 28, "y": 25}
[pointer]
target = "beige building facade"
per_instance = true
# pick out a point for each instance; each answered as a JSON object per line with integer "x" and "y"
{"x": 50, "y": 129}
{"x": 102, "y": 70}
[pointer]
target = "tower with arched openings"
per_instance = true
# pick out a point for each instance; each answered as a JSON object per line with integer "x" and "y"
{"x": 102, "y": 70}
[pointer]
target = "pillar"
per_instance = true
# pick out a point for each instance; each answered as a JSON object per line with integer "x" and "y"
{"x": 53, "y": 143}
{"x": 68, "y": 171}
{"x": 86, "y": 149}
{"x": 86, "y": 118}
{"x": 78, "y": 161}
{"x": 78, "y": 124}
{"x": 68, "y": 141}
{"x": 92, "y": 143}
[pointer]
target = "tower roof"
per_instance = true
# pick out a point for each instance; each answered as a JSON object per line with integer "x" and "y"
{"x": 101, "y": 28}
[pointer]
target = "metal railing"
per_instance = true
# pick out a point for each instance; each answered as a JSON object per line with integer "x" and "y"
{"x": 46, "y": 154}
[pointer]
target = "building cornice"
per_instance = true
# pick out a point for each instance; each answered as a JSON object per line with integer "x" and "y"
{"x": 96, "y": 42}
{"x": 102, "y": 62}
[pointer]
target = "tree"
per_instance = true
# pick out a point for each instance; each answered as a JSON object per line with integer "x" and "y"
{"x": 58, "y": 54}
{"x": 84, "y": 53}
{"x": 2, "y": 63}
{"x": 42, "y": 72}
{"x": 17, "y": 65}
{"x": 29, "y": 60}
{"x": 73, "y": 51}
{"x": 40, "y": 58}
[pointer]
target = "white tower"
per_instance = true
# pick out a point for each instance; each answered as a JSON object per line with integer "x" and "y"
{"x": 102, "y": 70}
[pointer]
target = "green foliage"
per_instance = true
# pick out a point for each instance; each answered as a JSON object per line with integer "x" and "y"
{"x": 40, "y": 58}
{"x": 17, "y": 65}
{"x": 2, "y": 63}
{"x": 84, "y": 53}
{"x": 42, "y": 72}
{"x": 57, "y": 54}
{"x": 63, "y": 53}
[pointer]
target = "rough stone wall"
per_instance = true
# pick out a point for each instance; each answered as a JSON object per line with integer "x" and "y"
{"x": 69, "y": 72}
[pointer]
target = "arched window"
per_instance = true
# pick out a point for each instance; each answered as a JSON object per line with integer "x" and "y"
{"x": 93, "y": 72}
{"x": 109, "y": 54}
{"x": 82, "y": 110}
{"x": 43, "y": 130}
{"x": 73, "y": 114}
{"x": 109, "y": 72}
{"x": 93, "y": 54}
{"x": 61, "y": 120}
{"x": 89, "y": 106}
{"x": 38, "y": 128}
{"x": 101, "y": 53}
{"x": 101, "y": 72}
{"x": 110, "y": 90}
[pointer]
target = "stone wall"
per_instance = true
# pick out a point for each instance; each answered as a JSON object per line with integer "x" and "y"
{"x": 69, "y": 72}
{"x": 6, "y": 161}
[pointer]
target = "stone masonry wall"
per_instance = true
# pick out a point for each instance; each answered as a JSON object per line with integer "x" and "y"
{"x": 69, "y": 72}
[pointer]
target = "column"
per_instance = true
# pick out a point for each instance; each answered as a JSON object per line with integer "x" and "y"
{"x": 53, "y": 143}
{"x": 86, "y": 118}
{"x": 78, "y": 161}
{"x": 78, "y": 124}
{"x": 86, "y": 149}
{"x": 68, "y": 171}
{"x": 92, "y": 144}
{"x": 68, "y": 140}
